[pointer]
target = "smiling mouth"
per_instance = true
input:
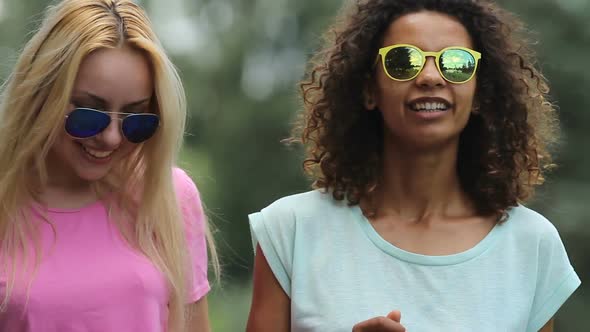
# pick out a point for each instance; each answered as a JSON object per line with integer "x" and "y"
{"x": 96, "y": 154}
{"x": 429, "y": 107}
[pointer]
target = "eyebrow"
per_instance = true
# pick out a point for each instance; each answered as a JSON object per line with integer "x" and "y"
{"x": 103, "y": 102}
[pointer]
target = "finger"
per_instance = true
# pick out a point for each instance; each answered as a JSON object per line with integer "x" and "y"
{"x": 379, "y": 324}
{"x": 395, "y": 315}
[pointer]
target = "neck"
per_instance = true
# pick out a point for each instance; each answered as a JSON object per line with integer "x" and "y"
{"x": 64, "y": 189}
{"x": 419, "y": 184}
{"x": 62, "y": 176}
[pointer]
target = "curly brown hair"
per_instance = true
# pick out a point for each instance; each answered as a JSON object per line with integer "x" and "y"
{"x": 504, "y": 149}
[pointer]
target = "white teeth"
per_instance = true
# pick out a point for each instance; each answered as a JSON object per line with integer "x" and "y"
{"x": 97, "y": 154}
{"x": 429, "y": 107}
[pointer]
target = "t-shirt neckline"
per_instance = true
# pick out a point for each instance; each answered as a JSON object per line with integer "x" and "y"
{"x": 420, "y": 259}
{"x": 40, "y": 207}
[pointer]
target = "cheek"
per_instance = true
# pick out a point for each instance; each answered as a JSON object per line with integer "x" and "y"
{"x": 125, "y": 150}
{"x": 469, "y": 90}
{"x": 65, "y": 145}
{"x": 65, "y": 152}
{"x": 465, "y": 95}
{"x": 390, "y": 93}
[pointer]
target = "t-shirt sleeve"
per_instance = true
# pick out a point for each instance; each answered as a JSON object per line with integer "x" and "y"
{"x": 556, "y": 279}
{"x": 194, "y": 222}
{"x": 273, "y": 229}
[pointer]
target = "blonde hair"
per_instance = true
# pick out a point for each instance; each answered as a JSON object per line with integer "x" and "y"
{"x": 32, "y": 106}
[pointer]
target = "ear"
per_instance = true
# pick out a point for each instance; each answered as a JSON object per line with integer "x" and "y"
{"x": 475, "y": 107}
{"x": 369, "y": 98}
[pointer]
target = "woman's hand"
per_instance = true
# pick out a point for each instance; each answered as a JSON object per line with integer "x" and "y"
{"x": 390, "y": 323}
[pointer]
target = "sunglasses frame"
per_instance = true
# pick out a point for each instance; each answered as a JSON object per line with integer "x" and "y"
{"x": 384, "y": 50}
{"x": 121, "y": 119}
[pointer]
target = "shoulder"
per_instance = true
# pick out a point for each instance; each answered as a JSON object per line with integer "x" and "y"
{"x": 181, "y": 179}
{"x": 188, "y": 198}
{"x": 308, "y": 204}
{"x": 301, "y": 214}
{"x": 540, "y": 252}
{"x": 530, "y": 223}
{"x": 531, "y": 233}
{"x": 288, "y": 220}
{"x": 184, "y": 185}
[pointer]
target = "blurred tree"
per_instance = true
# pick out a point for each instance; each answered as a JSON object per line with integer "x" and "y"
{"x": 243, "y": 100}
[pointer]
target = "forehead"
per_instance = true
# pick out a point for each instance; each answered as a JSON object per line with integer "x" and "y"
{"x": 118, "y": 75}
{"x": 429, "y": 30}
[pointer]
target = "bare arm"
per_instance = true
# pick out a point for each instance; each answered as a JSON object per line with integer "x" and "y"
{"x": 271, "y": 307}
{"x": 548, "y": 327}
{"x": 198, "y": 317}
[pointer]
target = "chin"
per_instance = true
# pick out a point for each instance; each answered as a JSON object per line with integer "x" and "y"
{"x": 432, "y": 140}
{"x": 90, "y": 175}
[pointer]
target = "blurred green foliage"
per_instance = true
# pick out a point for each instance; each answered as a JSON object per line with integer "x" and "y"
{"x": 240, "y": 61}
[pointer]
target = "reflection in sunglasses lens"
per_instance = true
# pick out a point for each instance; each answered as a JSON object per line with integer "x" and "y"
{"x": 403, "y": 63}
{"x": 457, "y": 65}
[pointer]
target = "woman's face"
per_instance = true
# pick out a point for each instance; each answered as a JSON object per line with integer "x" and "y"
{"x": 400, "y": 102}
{"x": 114, "y": 80}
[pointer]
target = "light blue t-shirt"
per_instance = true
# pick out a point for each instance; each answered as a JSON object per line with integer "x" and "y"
{"x": 338, "y": 271}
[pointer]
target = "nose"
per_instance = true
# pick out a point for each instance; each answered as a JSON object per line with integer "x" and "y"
{"x": 111, "y": 137}
{"x": 430, "y": 77}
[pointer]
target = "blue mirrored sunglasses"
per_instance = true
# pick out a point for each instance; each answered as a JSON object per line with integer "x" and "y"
{"x": 88, "y": 122}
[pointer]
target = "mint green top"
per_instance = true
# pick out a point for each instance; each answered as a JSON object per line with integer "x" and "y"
{"x": 338, "y": 271}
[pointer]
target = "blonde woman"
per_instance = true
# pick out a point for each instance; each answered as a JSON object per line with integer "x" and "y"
{"x": 99, "y": 231}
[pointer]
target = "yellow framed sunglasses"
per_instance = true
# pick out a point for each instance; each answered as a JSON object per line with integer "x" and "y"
{"x": 404, "y": 62}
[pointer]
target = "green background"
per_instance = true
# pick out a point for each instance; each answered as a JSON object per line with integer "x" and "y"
{"x": 240, "y": 61}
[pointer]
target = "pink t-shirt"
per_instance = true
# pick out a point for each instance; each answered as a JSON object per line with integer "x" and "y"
{"x": 89, "y": 280}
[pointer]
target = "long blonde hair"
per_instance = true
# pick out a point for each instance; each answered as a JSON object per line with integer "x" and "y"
{"x": 33, "y": 105}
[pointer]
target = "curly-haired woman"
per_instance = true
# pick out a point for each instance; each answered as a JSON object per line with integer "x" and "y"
{"x": 427, "y": 126}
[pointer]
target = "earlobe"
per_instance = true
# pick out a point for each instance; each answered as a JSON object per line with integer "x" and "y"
{"x": 369, "y": 97}
{"x": 475, "y": 108}
{"x": 370, "y": 103}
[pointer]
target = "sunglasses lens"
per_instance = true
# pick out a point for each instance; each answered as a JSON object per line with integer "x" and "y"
{"x": 139, "y": 127}
{"x": 457, "y": 65}
{"x": 85, "y": 123}
{"x": 403, "y": 63}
